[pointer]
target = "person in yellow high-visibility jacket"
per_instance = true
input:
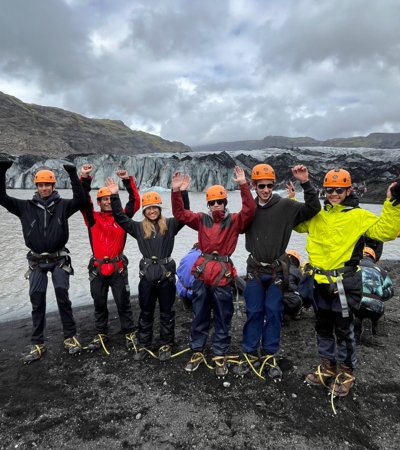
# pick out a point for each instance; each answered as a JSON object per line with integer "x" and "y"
{"x": 335, "y": 246}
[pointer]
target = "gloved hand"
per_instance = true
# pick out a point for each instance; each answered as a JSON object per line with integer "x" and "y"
{"x": 395, "y": 191}
{"x": 5, "y": 164}
{"x": 70, "y": 168}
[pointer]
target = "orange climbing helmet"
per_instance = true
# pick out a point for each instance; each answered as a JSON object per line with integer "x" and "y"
{"x": 263, "y": 172}
{"x": 216, "y": 192}
{"x": 151, "y": 199}
{"x": 103, "y": 192}
{"x": 337, "y": 178}
{"x": 295, "y": 254}
{"x": 370, "y": 252}
{"x": 44, "y": 176}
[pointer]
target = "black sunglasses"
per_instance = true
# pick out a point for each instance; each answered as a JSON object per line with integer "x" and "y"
{"x": 218, "y": 202}
{"x": 263, "y": 186}
{"x": 338, "y": 190}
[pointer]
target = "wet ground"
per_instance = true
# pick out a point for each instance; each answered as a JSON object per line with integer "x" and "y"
{"x": 95, "y": 401}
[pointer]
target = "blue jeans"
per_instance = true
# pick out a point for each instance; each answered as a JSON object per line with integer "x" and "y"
{"x": 264, "y": 315}
{"x": 205, "y": 299}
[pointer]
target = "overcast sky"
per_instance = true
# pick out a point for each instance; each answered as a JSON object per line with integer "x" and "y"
{"x": 204, "y": 71}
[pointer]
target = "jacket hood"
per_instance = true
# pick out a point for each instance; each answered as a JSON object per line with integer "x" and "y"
{"x": 274, "y": 199}
{"x": 46, "y": 202}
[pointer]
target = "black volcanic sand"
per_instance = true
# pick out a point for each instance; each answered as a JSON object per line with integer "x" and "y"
{"x": 95, "y": 401}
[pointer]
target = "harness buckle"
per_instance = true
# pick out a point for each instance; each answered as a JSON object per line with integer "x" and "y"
{"x": 154, "y": 260}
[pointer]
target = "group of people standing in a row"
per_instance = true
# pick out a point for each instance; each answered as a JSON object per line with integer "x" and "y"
{"x": 335, "y": 247}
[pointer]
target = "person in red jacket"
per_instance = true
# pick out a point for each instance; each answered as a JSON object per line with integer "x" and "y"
{"x": 108, "y": 265}
{"x": 218, "y": 232}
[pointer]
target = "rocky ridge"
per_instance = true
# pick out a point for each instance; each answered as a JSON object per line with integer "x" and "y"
{"x": 42, "y": 130}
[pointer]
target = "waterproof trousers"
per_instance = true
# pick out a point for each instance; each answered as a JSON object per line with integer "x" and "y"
{"x": 37, "y": 291}
{"x": 149, "y": 293}
{"x": 335, "y": 334}
{"x": 99, "y": 287}
{"x": 206, "y": 299}
{"x": 264, "y": 307}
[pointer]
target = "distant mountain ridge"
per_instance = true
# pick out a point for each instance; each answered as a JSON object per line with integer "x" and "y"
{"x": 373, "y": 140}
{"x": 41, "y": 130}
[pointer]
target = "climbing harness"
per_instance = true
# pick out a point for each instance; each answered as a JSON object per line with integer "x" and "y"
{"x": 214, "y": 256}
{"x": 157, "y": 263}
{"x": 95, "y": 270}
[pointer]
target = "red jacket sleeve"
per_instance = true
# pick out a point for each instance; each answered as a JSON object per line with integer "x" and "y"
{"x": 246, "y": 214}
{"x": 183, "y": 215}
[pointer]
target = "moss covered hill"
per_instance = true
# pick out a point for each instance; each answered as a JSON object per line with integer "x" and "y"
{"x": 41, "y": 130}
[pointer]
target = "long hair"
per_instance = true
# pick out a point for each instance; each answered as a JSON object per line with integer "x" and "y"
{"x": 149, "y": 229}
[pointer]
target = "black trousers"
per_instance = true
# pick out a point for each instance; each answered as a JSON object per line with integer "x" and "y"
{"x": 38, "y": 282}
{"x": 149, "y": 293}
{"x": 99, "y": 288}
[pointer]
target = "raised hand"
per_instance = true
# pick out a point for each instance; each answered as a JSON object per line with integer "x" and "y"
{"x": 239, "y": 175}
{"x": 185, "y": 182}
{"x": 177, "y": 181}
{"x": 122, "y": 173}
{"x": 300, "y": 172}
{"x": 86, "y": 169}
{"x": 112, "y": 185}
{"x": 291, "y": 191}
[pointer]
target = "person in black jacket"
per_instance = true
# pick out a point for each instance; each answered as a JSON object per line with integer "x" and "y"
{"x": 44, "y": 221}
{"x": 155, "y": 236}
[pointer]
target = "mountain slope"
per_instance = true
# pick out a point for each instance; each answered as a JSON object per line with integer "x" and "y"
{"x": 42, "y": 130}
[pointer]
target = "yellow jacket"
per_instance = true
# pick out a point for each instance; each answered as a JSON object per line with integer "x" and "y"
{"x": 335, "y": 230}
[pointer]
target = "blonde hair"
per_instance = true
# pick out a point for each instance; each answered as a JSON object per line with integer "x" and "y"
{"x": 149, "y": 229}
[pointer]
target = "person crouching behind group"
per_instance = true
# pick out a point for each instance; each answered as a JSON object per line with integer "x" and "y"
{"x": 155, "y": 236}
{"x": 218, "y": 233}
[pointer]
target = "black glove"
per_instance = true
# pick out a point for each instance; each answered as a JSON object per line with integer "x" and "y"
{"x": 395, "y": 191}
{"x": 70, "y": 168}
{"x": 5, "y": 164}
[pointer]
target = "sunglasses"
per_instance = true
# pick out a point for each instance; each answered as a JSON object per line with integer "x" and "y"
{"x": 263, "y": 186}
{"x": 338, "y": 190}
{"x": 218, "y": 202}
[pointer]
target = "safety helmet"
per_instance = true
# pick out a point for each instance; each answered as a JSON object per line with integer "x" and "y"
{"x": 151, "y": 199}
{"x": 263, "y": 172}
{"x": 44, "y": 176}
{"x": 103, "y": 192}
{"x": 216, "y": 192}
{"x": 294, "y": 253}
{"x": 370, "y": 252}
{"x": 337, "y": 178}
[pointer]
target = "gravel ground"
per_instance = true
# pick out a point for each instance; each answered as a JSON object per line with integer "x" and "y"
{"x": 95, "y": 401}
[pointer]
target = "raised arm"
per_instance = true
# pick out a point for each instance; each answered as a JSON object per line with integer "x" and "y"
{"x": 179, "y": 185}
{"x": 13, "y": 205}
{"x": 311, "y": 205}
{"x": 133, "y": 203}
{"x": 87, "y": 208}
{"x": 78, "y": 194}
{"x": 120, "y": 217}
{"x": 246, "y": 214}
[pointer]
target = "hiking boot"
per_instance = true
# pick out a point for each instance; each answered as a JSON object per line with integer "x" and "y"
{"x": 72, "y": 345}
{"x": 164, "y": 353}
{"x": 140, "y": 355}
{"x": 379, "y": 327}
{"x": 343, "y": 382}
{"x": 251, "y": 362}
{"x": 130, "y": 341}
{"x": 366, "y": 336}
{"x": 97, "y": 342}
{"x": 221, "y": 366}
{"x": 323, "y": 375}
{"x": 195, "y": 360}
{"x": 37, "y": 351}
{"x": 274, "y": 372}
